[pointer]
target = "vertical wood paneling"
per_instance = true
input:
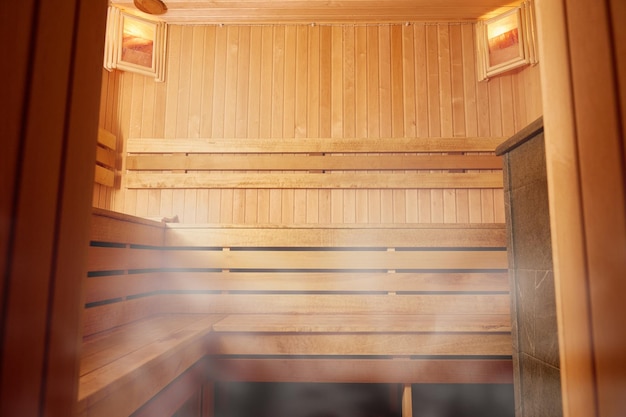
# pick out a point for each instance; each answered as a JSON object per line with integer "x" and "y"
{"x": 297, "y": 81}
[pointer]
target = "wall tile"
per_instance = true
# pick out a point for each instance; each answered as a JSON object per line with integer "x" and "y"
{"x": 531, "y": 228}
{"x": 541, "y": 389}
{"x": 546, "y": 333}
{"x": 528, "y": 163}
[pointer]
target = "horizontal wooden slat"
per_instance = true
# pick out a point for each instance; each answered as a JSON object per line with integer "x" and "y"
{"x": 106, "y": 157}
{"x": 107, "y": 139}
{"x": 107, "y": 316}
{"x": 322, "y": 236}
{"x": 416, "y": 371}
{"x": 272, "y": 281}
{"x": 336, "y": 304}
{"x": 364, "y": 323}
{"x": 214, "y": 162}
{"x": 316, "y": 145}
{"x": 135, "y": 179}
{"x": 319, "y": 260}
{"x": 114, "y": 259}
{"x": 107, "y": 259}
{"x": 107, "y": 226}
{"x": 119, "y": 286}
{"x": 363, "y": 344}
{"x": 104, "y": 176}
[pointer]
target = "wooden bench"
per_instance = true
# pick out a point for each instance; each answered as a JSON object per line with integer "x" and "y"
{"x": 171, "y": 308}
{"x": 362, "y": 163}
{"x": 328, "y": 303}
{"x": 132, "y": 348}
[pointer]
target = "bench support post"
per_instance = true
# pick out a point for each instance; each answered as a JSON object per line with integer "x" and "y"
{"x": 407, "y": 401}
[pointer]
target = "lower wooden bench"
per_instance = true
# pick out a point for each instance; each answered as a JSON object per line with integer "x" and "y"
{"x": 170, "y": 309}
{"x": 122, "y": 368}
{"x": 363, "y": 348}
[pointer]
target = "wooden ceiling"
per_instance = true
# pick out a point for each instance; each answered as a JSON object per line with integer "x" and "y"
{"x": 326, "y": 11}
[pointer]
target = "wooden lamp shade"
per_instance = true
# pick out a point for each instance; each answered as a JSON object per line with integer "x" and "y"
{"x": 151, "y": 6}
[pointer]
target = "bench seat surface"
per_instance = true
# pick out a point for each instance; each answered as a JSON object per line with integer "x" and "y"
{"x": 352, "y": 323}
{"x": 154, "y": 351}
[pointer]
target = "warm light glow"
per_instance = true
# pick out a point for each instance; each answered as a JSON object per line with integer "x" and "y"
{"x": 504, "y": 25}
{"x": 501, "y": 10}
{"x": 138, "y": 28}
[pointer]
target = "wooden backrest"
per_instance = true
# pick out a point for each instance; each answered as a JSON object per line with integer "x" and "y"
{"x": 105, "y": 158}
{"x": 138, "y": 268}
{"x": 124, "y": 270}
{"x": 392, "y": 163}
{"x": 327, "y": 270}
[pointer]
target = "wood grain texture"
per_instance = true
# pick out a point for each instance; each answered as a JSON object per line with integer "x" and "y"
{"x": 586, "y": 185}
{"x": 123, "y": 266}
{"x": 320, "y": 260}
{"x": 112, "y": 227}
{"x": 317, "y": 11}
{"x": 313, "y": 145}
{"x": 104, "y": 317}
{"x": 183, "y": 396}
{"x": 161, "y": 322}
{"x": 318, "y": 281}
{"x": 348, "y": 323}
{"x": 49, "y": 135}
{"x": 351, "y": 235}
{"x": 377, "y": 67}
{"x": 326, "y": 369}
{"x": 336, "y": 304}
{"x": 199, "y": 162}
{"x": 363, "y": 344}
{"x": 333, "y": 181}
{"x": 164, "y": 358}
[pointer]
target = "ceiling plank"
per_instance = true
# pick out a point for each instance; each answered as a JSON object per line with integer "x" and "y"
{"x": 327, "y": 12}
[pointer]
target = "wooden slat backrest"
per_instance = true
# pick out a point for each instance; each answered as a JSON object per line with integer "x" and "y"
{"x": 336, "y": 269}
{"x": 313, "y": 163}
{"x": 124, "y": 270}
{"x": 338, "y": 291}
{"x": 314, "y": 180}
{"x": 254, "y": 162}
{"x": 105, "y": 158}
{"x": 314, "y": 145}
{"x": 334, "y": 235}
{"x": 341, "y": 260}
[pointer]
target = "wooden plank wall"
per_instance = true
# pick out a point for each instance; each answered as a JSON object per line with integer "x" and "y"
{"x": 297, "y": 81}
{"x": 527, "y": 96}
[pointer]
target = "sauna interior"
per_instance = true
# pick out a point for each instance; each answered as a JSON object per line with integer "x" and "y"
{"x": 312, "y": 209}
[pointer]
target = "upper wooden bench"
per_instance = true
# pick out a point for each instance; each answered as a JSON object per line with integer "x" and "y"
{"x": 356, "y": 303}
{"x": 406, "y": 163}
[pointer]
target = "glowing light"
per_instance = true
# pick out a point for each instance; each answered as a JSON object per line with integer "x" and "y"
{"x": 504, "y": 25}
{"x": 139, "y": 29}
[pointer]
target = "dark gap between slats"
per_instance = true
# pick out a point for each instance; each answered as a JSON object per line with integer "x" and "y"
{"x": 136, "y": 246}
{"x": 106, "y": 244}
{"x": 103, "y": 302}
{"x": 307, "y": 249}
{"x": 97, "y": 274}
{"x": 450, "y": 271}
{"x": 454, "y": 249}
{"x": 142, "y": 295}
